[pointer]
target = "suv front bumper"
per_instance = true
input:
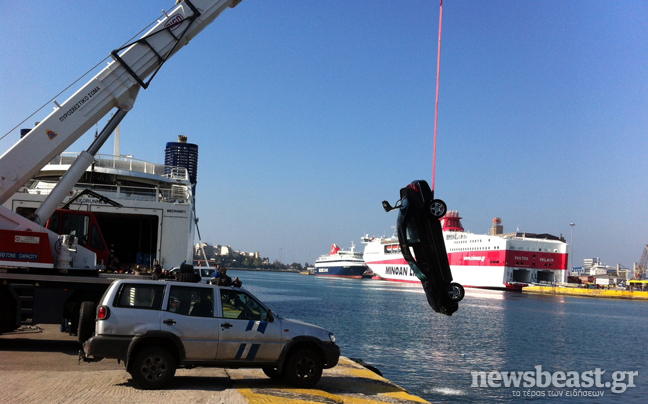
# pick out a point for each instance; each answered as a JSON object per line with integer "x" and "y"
{"x": 331, "y": 354}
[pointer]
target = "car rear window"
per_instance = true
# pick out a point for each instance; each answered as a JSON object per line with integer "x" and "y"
{"x": 138, "y": 296}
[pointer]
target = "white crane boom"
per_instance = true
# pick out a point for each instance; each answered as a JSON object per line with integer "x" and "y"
{"x": 116, "y": 86}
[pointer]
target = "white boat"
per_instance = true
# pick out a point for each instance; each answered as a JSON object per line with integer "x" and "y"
{"x": 144, "y": 211}
{"x": 342, "y": 263}
{"x": 492, "y": 261}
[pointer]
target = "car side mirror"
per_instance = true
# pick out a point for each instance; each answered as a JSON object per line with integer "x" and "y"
{"x": 387, "y": 206}
{"x": 270, "y": 316}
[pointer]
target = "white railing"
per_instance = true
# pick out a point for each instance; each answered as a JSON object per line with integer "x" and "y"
{"x": 126, "y": 163}
{"x": 176, "y": 193}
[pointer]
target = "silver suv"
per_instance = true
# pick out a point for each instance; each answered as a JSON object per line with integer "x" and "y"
{"x": 156, "y": 327}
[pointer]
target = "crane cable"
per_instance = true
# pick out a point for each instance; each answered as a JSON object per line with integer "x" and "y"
{"x": 436, "y": 111}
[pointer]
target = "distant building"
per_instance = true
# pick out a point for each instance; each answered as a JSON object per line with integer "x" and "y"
{"x": 497, "y": 228}
{"x": 224, "y": 250}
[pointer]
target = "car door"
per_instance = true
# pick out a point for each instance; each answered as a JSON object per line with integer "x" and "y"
{"x": 246, "y": 334}
{"x": 189, "y": 314}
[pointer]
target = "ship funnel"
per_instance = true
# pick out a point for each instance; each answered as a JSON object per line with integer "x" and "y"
{"x": 182, "y": 154}
{"x": 452, "y": 221}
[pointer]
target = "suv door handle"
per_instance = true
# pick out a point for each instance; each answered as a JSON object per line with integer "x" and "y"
{"x": 169, "y": 321}
{"x": 226, "y": 325}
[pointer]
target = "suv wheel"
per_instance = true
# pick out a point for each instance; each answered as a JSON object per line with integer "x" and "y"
{"x": 86, "y": 321}
{"x": 273, "y": 373}
{"x": 303, "y": 368}
{"x": 153, "y": 368}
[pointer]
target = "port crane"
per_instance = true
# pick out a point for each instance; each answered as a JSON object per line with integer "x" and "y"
{"x": 44, "y": 273}
{"x": 640, "y": 268}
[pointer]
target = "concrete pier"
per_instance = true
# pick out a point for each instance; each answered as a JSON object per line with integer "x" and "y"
{"x": 348, "y": 382}
{"x": 586, "y": 292}
{"x": 40, "y": 365}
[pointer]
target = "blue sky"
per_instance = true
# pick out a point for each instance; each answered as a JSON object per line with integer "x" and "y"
{"x": 309, "y": 113}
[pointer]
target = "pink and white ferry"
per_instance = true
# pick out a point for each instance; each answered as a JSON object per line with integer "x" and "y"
{"x": 493, "y": 261}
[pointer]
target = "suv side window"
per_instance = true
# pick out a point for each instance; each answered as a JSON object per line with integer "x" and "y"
{"x": 240, "y": 305}
{"x": 138, "y": 296}
{"x": 191, "y": 301}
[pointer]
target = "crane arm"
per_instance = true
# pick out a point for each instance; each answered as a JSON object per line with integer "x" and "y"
{"x": 116, "y": 86}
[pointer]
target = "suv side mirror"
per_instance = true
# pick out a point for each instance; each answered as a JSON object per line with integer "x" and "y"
{"x": 270, "y": 316}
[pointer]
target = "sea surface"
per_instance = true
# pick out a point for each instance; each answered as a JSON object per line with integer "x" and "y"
{"x": 566, "y": 349}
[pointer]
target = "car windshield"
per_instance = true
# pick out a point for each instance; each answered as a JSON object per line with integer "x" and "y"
{"x": 206, "y": 272}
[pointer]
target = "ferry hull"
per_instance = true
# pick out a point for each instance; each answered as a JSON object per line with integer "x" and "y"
{"x": 341, "y": 263}
{"x": 355, "y": 271}
{"x": 492, "y": 277}
{"x": 490, "y": 263}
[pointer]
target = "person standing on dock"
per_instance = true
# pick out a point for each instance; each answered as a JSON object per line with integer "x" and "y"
{"x": 157, "y": 270}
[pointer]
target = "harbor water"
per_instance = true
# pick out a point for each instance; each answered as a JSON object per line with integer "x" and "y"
{"x": 560, "y": 349}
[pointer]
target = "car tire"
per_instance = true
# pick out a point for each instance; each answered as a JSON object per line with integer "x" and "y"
{"x": 437, "y": 208}
{"x": 86, "y": 322}
{"x": 456, "y": 292}
{"x": 273, "y": 373}
{"x": 153, "y": 368}
{"x": 303, "y": 368}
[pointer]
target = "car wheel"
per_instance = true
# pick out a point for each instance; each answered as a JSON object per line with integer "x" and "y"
{"x": 456, "y": 292}
{"x": 303, "y": 368}
{"x": 86, "y": 321}
{"x": 273, "y": 373}
{"x": 437, "y": 208}
{"x": 153, "y": 368}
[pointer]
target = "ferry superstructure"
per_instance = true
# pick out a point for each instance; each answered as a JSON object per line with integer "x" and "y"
{"x": 144, "y": 210}
{"x": 342, "y": 263}
{"x": 493, "y": 261}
